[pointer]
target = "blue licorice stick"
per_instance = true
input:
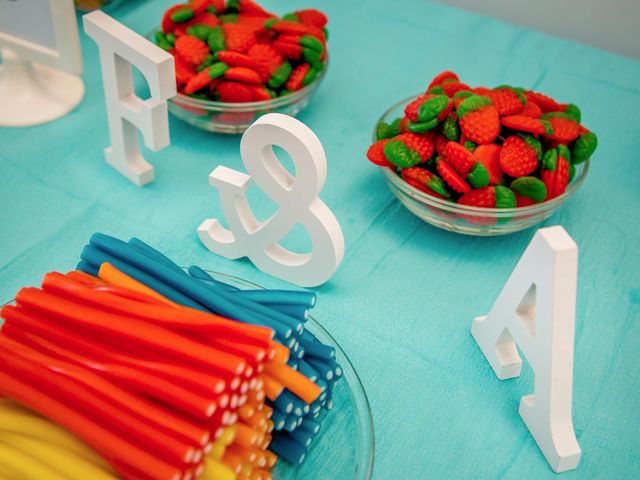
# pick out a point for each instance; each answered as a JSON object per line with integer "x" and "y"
{"x": 308, "y": 336}
{"x": 300, "y": 436}
{"x": 288, "y": 449}
{"x": 310, "y": 426}
{"x": 324, "y": 369}
{"x": 329, "y": 405}
{"x": 154, "y": 254}
{"x": 259, "y": 309}
{"x": 307, "y": 370}
{"x": 279, "y": 419}
{"x": 300, "y": 353}
{"x": 291, "y": 424}
{"x": 299, "y": 312}
{"x": 317, "y": 349}
{"x": 87, "y": 268}
{"x": 199, "y": 274}
{"x": 95, "y": 257}
{"x": 300, "y": 407}
{"x": 216, "y": 300}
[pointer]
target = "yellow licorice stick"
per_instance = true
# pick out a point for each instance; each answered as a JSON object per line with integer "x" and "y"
{"x": 113, "y": 276}
{"x": 27, "y": 467}
{"x": 217, "y": 452}
{"x": 215, "y": 470}
{"x": 16, "y": 419}
{"x": 60, "y": 460}
{"x": 6, "y": 474}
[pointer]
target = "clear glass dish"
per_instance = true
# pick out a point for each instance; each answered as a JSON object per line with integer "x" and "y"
{"x": 344, "y": 448}
{"x": 234, "y": 118}
{"x": 85, "y": 6}
{"x": 465, "y": 219}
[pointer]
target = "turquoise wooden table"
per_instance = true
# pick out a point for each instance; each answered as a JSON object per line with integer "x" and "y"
{"x": 402, "y": 302}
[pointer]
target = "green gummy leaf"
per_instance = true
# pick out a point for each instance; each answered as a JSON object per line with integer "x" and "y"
{"x": 216, "y": 39}
{"x": 574, "y": 112}
{"x": 438, "y": 90}
{"x": 199, "y": 96}
{"x": 547, "y": 126}
{"x": 437, "y": 185}
{"x": 199, "y": 31}
{"x": 162, "y": 42}
{"x": 311, "y": 42}
{"x": 421, "y": 127}
{"x": 210, "y": 60}
{"x": 583, "y": 147}
{"x": 233, "y": 5}
{"x": 318, "y": 66}
{"x": 432, "y": 107}
{"x": 160, "y": 37}
{"x": 550, "y": 159}
{"x": 504, "y": 197}
{"x": 530, "y": 187}
{"x": 533, "y": 143}
{"x": 284, "y": 92}
{"x": 212, "y": 9}
{"x": 325, "y": 31}
{"x": 473, "y": 103}
{"x": 272, "y": 93}
{"x": 564, "y": 115}
{"x": 281, "y": 75}
{"x": 311, "y": 56}
{"x": 462, "y": 94}
{"x": 478, "y": 176}
{"x": 217, "y": 70}
{"x": 229, "y": 18}
{"x": 291, "y": 17}
{"x": 469, "y": 145}
{"x": 171, "y": 38}
{"x": 563, "y": 151}
{"x": 182, "y": 14}
{"x": 382, "y": 131}
{"x": 572, "y": 171}
{"x": 451, "y": 129}
{"x": 309, "y": 77}
{"x": 400, "y": 155}
{"x": 269, "y": 23}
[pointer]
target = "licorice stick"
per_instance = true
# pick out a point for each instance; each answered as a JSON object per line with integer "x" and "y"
{"x": 294, "y": 381}
{"x": 25, "y": 466}
{"x": 181, "y": 399}
{"x": 113, "y": 276}
{"x": 67, "y": 383}
{"x": 110, "y": 445}
{"x": 153, "y": 253}
{"x": 288, "y": 449}
{"x": 57, "y": 458}
{"x": 224, "y": 301}
{"x": 272, "y": 388}
{"x": 131, "y": 330}
{"x": 216, "y": 470}
{"x": 203, "y": 383}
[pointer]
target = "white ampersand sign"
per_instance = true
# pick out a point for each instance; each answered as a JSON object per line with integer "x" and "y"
{"x": 297, "y": 198}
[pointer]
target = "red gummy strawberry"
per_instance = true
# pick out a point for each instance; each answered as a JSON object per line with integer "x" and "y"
{"x": 479, "y": 119}
{"x": 451, "y": 177}
{"x": 294, "y": 28}
{"x": 267, "y": 58}
{"x": 546, "y": 103}
{"x": 409, "y": 149}
{"x": 376, "y": 155}
{"x": 555, "y": 171}
{"x": 256, "y": 25}
{"x": 298, "y": 77}
{"x": 198, "y": 6}
{"x": 489, "y": 156}
{"x": 481, "y": 91}
{"x": 441, "y": 77}
{"x": 243, "y": 75}
{"x": 531, "y": 109}
{"x": 521, "y": 123}
{"x": 205, "y": 18}
{"x": 489, "y": 197}
{"x": 236, "y": 59}
{"x": 167, "y": 23}
{"x": 250, "y": 7}
{"x": 466, "y": 164}
{"x": 507, "y": 100}
{"x": 450, "y": 87}
{"x": 297, "y": 47}
{"x": 312, "y": 17}
{"x": 427, "y": 107}
{"x": 565, "y": 128}
{"x": 238, "y": 38}
{"x": 440, "y": 144}
{"x": 191, "y": 49}
{"x": 425, "y": 181}
{"x": 459, "y": 97}
{"x": 520, "y": 155}
{"x": 198, "y": 81}
{"x": 260, "y": 94}
{"x": 184, "y": 71}
{"x": 234, "y": 92}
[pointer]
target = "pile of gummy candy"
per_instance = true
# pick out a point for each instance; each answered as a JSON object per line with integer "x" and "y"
{"x": 235, "y": 51}
{"x": 495, "y": 148}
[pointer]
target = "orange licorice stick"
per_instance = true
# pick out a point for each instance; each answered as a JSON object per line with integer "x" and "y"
{"x": 130, "y": 330}
{"x": 116, "y": 450}
{"x": 263, "y": 475}
{"x": 194, "y": 405}
{"x": 293, "y": 380}
{"x": 232, "y": 460}
{"x": 267, "y": 410}
{"x": 253, "y": 353}
{"x": 258, "y": 420}
{"x": 247, "y": 454}
{"x": 246, "y": 411}
{"x": 281, "y": 353}
{"x": 246, "y": 436}
{"x": 113, "y": 276}
{"x": 272, "y": 387}
{"x": 186, "y": 319}
{"x": 191, "y": 379}
{"x": 265, "y": 441}
{"x": 146, "y": 411}
{"x": 78, "y": 387}
{"x": 83, "y": 277}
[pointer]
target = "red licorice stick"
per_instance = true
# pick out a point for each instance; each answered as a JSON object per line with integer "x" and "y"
{"x": 150, "y": 413}
{"x": 164, "y": 392}
{"x": 198, "y": 381}
{"x": 87, "y": 391}
{"x": 115, "y": 449}
{"x": 131, "y": 330}
{"x": 161, "y": 314}
{"x": 251, "y": 353}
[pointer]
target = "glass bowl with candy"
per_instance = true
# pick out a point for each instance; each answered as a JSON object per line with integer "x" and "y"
{"x": 482, "y": 161}
{"x": 235, "y": 61}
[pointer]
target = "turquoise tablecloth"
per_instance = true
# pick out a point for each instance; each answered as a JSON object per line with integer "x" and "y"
{"x": 402, "y": 302}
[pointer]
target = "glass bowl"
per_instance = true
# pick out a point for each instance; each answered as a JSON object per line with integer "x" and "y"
{"x": 344, "y": 447}
{"x": 85, "y": 6}
{"x": 466, "y": 219}
{"x": 234, "y": 118}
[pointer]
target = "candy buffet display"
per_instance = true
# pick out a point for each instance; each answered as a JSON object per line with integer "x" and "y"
{"x": 492, "y": 150}
{"x": 235, "y": 60}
